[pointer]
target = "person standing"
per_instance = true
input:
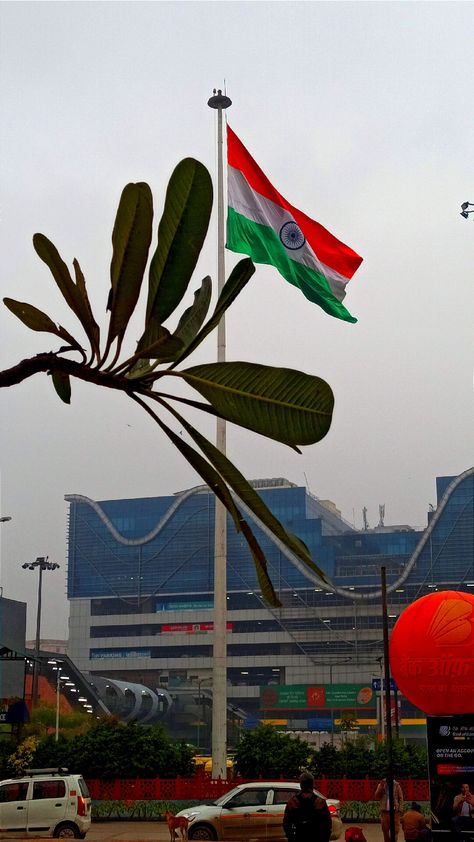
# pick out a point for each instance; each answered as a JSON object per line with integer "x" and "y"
{"x": 382, "y": 796}
{"x": 307, "y": 817}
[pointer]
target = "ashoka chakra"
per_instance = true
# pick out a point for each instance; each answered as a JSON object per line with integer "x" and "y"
{"x": 292, "y": 236}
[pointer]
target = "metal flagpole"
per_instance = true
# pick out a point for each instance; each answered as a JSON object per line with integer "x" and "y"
{"x": 219, "y": 666}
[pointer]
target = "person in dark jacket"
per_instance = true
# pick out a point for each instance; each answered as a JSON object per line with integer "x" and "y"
{"x": 307, "y": 817}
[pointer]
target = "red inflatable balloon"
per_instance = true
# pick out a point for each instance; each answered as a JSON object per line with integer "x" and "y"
{"x": 432, "y": 653}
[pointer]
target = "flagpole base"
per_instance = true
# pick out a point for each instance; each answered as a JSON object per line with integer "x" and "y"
{"x": 219, "y": 100}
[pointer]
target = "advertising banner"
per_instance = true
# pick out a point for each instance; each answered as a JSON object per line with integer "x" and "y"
{"x": 190, "y": 628}
{"x": 325, "y": 696}
{"x": 451, "y": 770}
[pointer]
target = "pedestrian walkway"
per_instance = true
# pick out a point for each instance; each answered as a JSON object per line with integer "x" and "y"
{"x": 158, "y": 832}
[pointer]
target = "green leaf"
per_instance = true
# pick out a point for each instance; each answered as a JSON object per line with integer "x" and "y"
{"x": 48, "y": 252}
{"x": 37, "y": 320}
{"x": 92, "y": 328}
{"x": 181, "y": 234}
{"x": 250, "y": 497}
{"x": 72, "y": 293}
{"x": 217, "y": 485}
{"x": 165, "y": 345}
{"x": 139, "y": 371}
{"x": 62, "y": 384}
{"x": 131, "y": 238}
{"x": 234, "y": 285}
{"x": 192, "y": 318}
{"x": 264, "y": 581}
{"x": 280, "y": 403}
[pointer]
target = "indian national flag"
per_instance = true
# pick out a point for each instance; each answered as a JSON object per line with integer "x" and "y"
{"x": 262, "y": 224}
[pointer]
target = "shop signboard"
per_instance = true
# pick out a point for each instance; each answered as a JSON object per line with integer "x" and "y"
{"x": 377, "y": 683}
{"x": 184, "y": 605}
{"x": 190, "y": 628}
{"x": 119, "y": 653}
{"x": 451, "y": 771}
{"x": 324, "y": 696}
{"x": 320, "y": 724}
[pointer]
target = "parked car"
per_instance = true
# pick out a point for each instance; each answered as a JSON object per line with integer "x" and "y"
{"x": 45, "y": 802}
{"x": 250, "y": 811}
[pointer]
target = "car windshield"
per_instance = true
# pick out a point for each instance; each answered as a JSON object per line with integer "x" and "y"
{"x": 219, "y": 801}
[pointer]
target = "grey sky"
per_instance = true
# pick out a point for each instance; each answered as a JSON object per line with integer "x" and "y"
{"x": 361, "y": 115}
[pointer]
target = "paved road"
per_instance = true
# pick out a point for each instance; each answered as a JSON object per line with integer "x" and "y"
{"x": 158, "y": 832}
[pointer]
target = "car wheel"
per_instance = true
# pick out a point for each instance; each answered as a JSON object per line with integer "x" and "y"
{"x": 67, "y": 830}
{"x": 202, "y": 831}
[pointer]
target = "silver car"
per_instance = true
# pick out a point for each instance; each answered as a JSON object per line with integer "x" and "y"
{"x": 250, "y": 811}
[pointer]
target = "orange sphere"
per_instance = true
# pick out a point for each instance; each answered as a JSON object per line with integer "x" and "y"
{"x": 432, "y": 653}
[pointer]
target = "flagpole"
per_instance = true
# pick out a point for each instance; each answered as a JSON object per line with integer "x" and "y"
{"x": 219, "y": 665}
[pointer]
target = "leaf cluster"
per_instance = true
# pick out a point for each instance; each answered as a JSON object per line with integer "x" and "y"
{"x": 111, "y": 750}
{"x": 282, "y": 404}
{"x": 363, "y": 757}
{"x": 43, "y": 721}
{"x": 266, "y": 752}
{"x": 22, "y": 757}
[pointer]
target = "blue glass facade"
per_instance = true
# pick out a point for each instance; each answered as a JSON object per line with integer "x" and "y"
{"x": 179, "y": 559}
{"x": 140, "y": 581}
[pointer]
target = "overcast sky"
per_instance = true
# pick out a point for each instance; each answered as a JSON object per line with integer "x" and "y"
{"x": 361, "y": 115}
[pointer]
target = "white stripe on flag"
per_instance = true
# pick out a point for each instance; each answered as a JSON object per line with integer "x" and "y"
{"x": 246, "y": 201}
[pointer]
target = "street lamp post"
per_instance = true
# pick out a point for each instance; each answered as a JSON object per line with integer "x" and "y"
{"x": 41, "y": 563}
{"x": 58, "y": 698}
{"x": 332, "y": 707}
{"x": 58, "y": 693}
{"x": 198, "y": 740}
{"x": 381, "y": 700}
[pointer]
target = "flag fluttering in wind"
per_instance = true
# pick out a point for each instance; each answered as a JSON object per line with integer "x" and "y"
{"x": 263, "y": 225}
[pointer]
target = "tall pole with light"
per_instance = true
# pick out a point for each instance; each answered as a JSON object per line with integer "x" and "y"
{"x": 380, "y": 662}
{"x": 388, "y": 712}
{"x": 41, "y": 563}
{"x": 219, "y": 669}
{"x": 58, "y": 694}
{"x": 332, "y": 705}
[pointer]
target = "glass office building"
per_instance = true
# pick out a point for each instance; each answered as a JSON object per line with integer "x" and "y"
{"x": 140, "y": 585}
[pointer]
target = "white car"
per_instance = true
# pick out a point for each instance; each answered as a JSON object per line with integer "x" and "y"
{"x": 250, "y": 811}
{"x": 45, "y": 802}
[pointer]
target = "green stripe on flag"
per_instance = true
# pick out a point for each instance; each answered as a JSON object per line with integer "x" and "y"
{"x": 263, "y": 245}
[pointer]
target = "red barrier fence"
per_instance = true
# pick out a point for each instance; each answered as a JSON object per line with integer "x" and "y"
{"x": 202, "y": 788}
